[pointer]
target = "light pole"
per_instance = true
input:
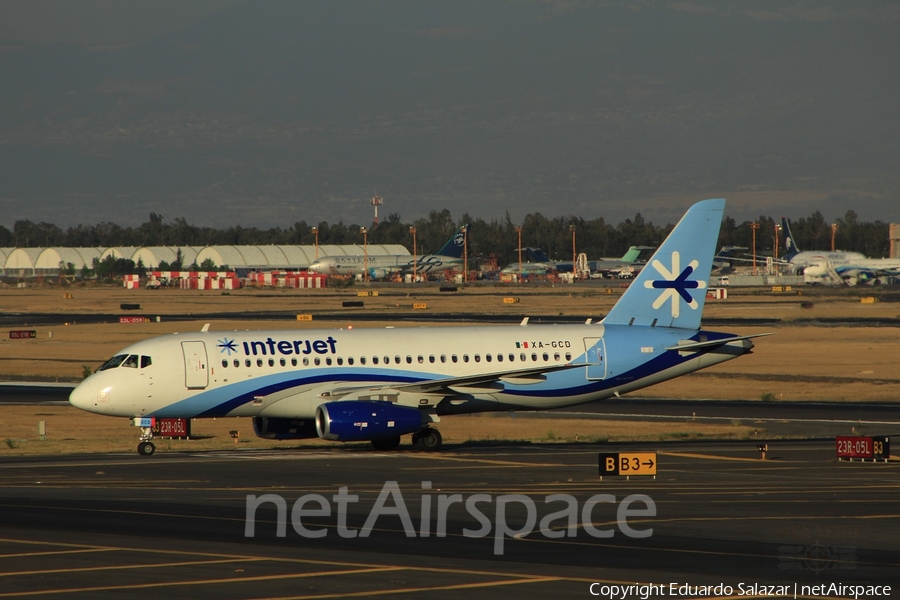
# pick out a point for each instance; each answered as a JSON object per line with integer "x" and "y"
{"x": 753, "y": 227}
{"x": 365, "y": 233}
{"x": 777, "y": 238}
{"x": 315, "y": 231}
{"x": 833, "y": 231}
{"x": 412, "y": 230}
{"x": 465, "y": 231}
{"x": 574, "y": 274}
{"x": 519, "y": 231}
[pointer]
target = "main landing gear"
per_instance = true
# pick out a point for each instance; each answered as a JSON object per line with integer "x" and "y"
{"x": 146, "y": 447}
{"x": 428, "y": 439}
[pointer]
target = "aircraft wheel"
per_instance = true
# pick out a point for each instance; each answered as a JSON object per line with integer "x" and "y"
{"x": 387, "y": 444}
{"x": 146, "y": 448}
{"x": 429, "y": 439}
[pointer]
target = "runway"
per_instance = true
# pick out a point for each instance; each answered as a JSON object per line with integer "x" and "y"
{"x": 175, "y": 524}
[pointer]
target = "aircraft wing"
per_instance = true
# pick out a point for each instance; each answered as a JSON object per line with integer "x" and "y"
{"x": 447, "y": 384}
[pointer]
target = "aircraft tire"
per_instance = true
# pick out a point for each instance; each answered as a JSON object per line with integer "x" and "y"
{"x": 429, "y": 439}
{"x": 387, "y": 444}
{"x": 146, "y": 448}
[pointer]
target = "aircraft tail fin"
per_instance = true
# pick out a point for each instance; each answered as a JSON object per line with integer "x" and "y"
{"x": 670, "y": 290}
{"x": 536, "y": 255}
{"x": 454, "y": 246}
{"x": 790, "y": 244}
{"x": 631, "y": 255}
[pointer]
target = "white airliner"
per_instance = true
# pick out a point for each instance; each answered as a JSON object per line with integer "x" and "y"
{"x": 837, "y": 267}
{"x": 382, "y": 266}
{"x": 380, "y": 384}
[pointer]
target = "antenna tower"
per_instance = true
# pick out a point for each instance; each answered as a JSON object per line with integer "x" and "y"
{"x": 376, "y": 202}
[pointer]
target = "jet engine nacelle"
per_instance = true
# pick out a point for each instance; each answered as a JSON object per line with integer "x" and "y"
{"x": 816, "y": 270}
{"x": 363, "y": 420}
{"x": 274, "y": 428}
{"x": 379, "y": 273}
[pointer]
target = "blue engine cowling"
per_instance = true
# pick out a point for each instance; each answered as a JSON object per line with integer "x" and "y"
{"x": 363, "y": 420}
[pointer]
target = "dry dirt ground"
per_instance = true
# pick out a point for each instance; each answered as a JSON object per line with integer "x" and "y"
{"x": 803, "y": 360}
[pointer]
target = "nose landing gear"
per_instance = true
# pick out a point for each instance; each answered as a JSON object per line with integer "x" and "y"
{"x": 146, "y": 447}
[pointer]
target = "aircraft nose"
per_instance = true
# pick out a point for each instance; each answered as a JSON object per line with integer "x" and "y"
{"x": 83, "y": 396}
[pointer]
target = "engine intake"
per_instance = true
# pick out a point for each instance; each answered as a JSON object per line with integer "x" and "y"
{"x": 363, "y": 420}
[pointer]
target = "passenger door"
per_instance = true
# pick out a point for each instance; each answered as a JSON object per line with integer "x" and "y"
{"x": 196, "y": 374}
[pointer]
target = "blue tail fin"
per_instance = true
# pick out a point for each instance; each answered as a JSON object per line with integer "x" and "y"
{"x": 454, "y": 246}
{"x": 670, "y": 290}
{"x": 790, "y": 244}
{"x": 536, "y": 255}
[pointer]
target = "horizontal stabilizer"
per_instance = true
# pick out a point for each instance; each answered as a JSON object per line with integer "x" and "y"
{"x": 691, "y": 345}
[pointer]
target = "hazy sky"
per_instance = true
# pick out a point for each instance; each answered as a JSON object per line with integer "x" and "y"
{"x": 259, "y": 113}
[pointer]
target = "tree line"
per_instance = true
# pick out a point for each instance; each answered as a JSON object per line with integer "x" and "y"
{"x": 496, "y": 237}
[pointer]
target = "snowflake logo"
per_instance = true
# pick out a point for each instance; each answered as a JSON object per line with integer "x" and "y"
{"x": 675, "y": 286}
{"x": 226, "y": 345}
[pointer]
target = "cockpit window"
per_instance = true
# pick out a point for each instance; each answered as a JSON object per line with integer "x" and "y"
{"x": 131, "y": 361}
{"x": 146, "y": 361}
{"x": 114, "y": 362}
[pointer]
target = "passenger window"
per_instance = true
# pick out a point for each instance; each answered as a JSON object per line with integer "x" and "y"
{"x": 271, "y": 362}
{"x": 408, "y": 359}
{"x": 465, "y": 358}
{"x": 546, "y": 357}
{"x": 477, "y": 358}
{"x": 340, "y": 360}
{"x": 237, "y": 363}
{"x": 522, "y": 357}
{"x": 247, "y": 362}
{"x": 305, "y": 362}
{"x": 293, "y": 362}
{"x": 488, "y": 358}
{"x": 568, "y": 356}
{"x": 431, "y": 358}
{"x": 374, "y": 360}
{"x": 318, "y": 361}
{"x": 421, "y": 359}
{"x": 499, "y": 358}
{"x": 512, "y": 357}
{"x": 225, "y": 363}
{"x": 328, "y": 361}
{"x": 146, "y": 361}
{"x": 534, "y": 356}
{"x": 396, "y": 359}
{"x": 453, "y": 358}
{"x": 282, "y": 362}
{"x": 556, "y": 356}
{"x": 259, "y": 362}
{"x": 114, "y": 362}
{"x": 443, "y": 358}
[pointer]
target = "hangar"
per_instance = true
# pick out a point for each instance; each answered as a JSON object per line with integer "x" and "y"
{"x": 34, "y": 262}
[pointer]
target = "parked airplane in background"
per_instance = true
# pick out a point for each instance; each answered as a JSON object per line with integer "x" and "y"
{"x": 799, "y": 259}
{"x": 838, "y": 267}
{"x": 380, "y": 384}
{"x": 540, "y": 263}
{"x": 382, "y": 266}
